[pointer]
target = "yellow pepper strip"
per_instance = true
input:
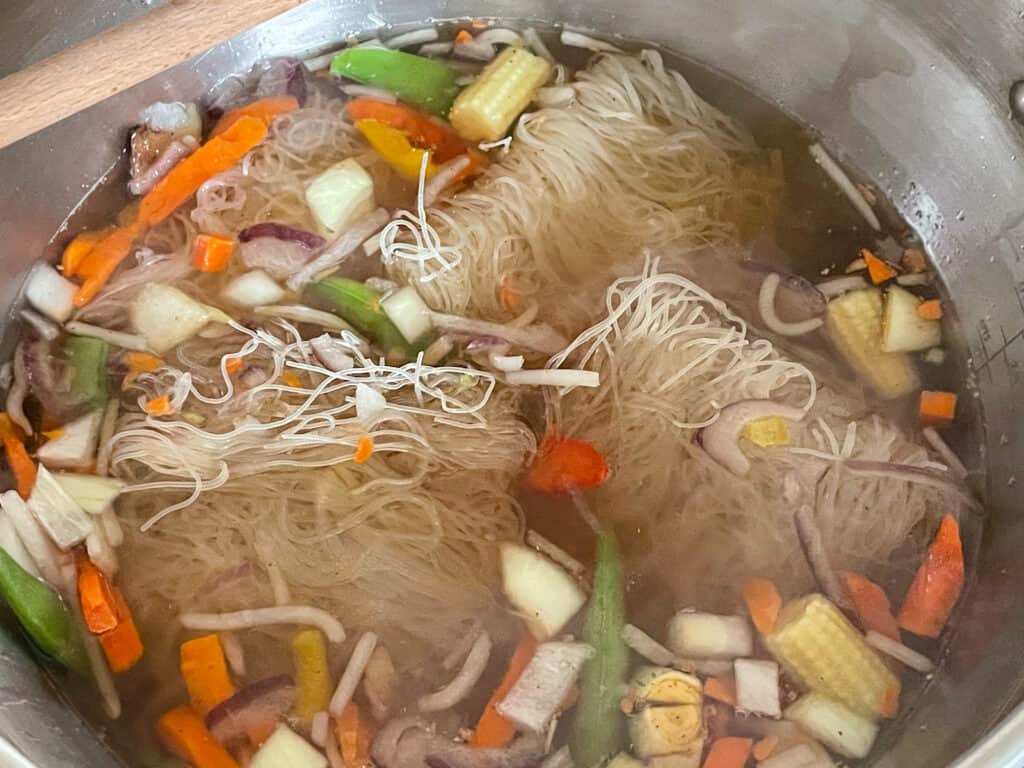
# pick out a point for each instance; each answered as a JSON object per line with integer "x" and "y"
{"x": 394, "y": 146}
{"x": 311, "y": 674}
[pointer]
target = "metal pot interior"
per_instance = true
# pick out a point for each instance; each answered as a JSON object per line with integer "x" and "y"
{"x": 914, "y": 99}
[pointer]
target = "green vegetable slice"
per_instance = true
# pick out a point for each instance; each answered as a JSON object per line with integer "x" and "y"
{"x": 88, "y": 359}
{"x": 427, "y": 83}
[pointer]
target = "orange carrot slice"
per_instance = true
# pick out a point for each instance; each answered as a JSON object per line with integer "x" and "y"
{"x": 937, "y": 585}
{"x": 565, "y": 464}
{"x": 364, "y": 449}
{"x": 212, "y": 253}
{"x": 205, "y": 671}
{"x": 492, "y": 729}
{"x": 930, "y": 310}
{"x": 764, "y": 603}
{"x": 878, "y": 270}
{"x": 99, "y": 606}
{"x": 185, "y": 735}
{"x": 730, "y": 752}
{"x": 764, "y": 748}
{"x": 936, "y": 409}
{"x": 122, "y": 645}
{"x": 262, "y": 109}
{"x": 721, "y": 688}
{"x": 159, "y": 406}
{"x": 871, "y": 604}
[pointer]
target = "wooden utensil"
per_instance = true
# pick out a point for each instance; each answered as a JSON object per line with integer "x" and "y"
{"x": 102, "y": 66}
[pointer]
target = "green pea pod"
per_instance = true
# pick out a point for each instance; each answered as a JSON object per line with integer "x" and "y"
{"x": 42, "y": 614}
{"x": 597, "y": 734}
{"x": 427, "y": 83}
{"x": 88, "y": 359}
{"x": 359, "y": 305}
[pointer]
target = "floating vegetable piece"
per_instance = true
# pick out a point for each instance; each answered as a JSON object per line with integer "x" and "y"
{"x": 50, "y": 292}
{"x": 20, "y": 463}
{"x": 937, "y": 584}
{"x": 182, "y": 732}
{"x": 667, "y": 717}
{"x": 353, "y": 737}
{"x": 212, "y": 253}
{"x": 66, "y": 523}
{"x": 75, "y": 448}
{"x": 409, "y": 313}
{"x": 45, "y": 618}
{"x": 904, "y": 329}
{"x": 721, "y": 689}
{"x": 262, "y": 109}
{"x": 88, "y": 358}
{"x": 930, "y": 310}
{"x": 836, "y": 726}
{"x": 99, "y": 263}
{"x": 309, "y": 652}
{"x": 166, "y": 316}
{"x": 422, "y": 130}
{"x": 546, "y": 595}
{"x": 341, "y": 194}
{"x": 286, "y": 749}
{"x": 565, "y": 464}
{"x": 764, "y": 603}
{"x": 692, "y": 634}
{"x": 396, "y": 149}
{"x": 253, "y": 289}
{"x": 252, "y": 713}
{"x": 360, "y": 305}
{"x": 597, "y": 732}
{"x": 79, "y": 248}
{"x": 936, "y": 409}
{"x": 486, "y": 109}
{"x": 159, "y": 406}
{"x": 871, "y": 604}
{"x": 205, "y": 672}
{"x": 539, "y": 692}
{"x": 493, "y": 729}
{"x": 817, "y": 645}
{"x": 729, "y": 752}
{"x": 96, "y": 597}
{"x": 122, "y": 645}
{"x": 427, "y": 83}
{"x": 721, "y": 438}
{"x": 757, "y": 687}
{"x": 878, "y": 270}
{"x": 767, "y": 432}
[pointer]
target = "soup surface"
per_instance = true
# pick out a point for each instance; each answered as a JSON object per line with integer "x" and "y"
{"x": 480, "y": 399}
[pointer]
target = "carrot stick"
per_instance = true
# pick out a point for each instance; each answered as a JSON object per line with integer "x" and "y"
{"x": 763, "y": 602}
{"x": 364, "y": 449}
{"x": 936, "y": 409}
{"x": 183, "y": 733}
{"x": 353, "y": 737}
{"x": 205, "y": 672}
{"x": 492, "y": 729}
{"x": 721, "y": 688}
{"x": 730, "y": 752}
{"x": 79, "y": 248}
{"x": 212, "y": 253}
{"x": 764, "y": 748}
{"x": 122, "y": 645}
{"x": 233, "y": 365}
{"x": 99, "y": 606}
{"x": 509, "y": 296}
{"x": 930, "y": 310}
{"x": 871, "y": 604}
{"x": 99, "y": 264}
{"x": 21, "y": 465}
{"x": 159, "y": 406}
{"x": 937, "y": 585}
{"x": 262, "y": 109}
{"x": 878, "y": 270}
{"x": 142, "y": 362}
{"x": 565, "y": 464}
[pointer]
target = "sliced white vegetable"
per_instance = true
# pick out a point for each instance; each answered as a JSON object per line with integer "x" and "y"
{"x": 286, "y": 749}
{"x": 303, "y": 314}
{"x": 840, "y": 285}
{"x": 253, "y": 289}
{"x": 50, "y": 292}
{"x": 318, "y": 728}
{"x": 415, "y": 37}
{"x": 935, "y": 356}
{"x": 340, "y": 195}
{"x": 333, "y": 354}
{"x": 757, "y": 687}
{"x": 710, "y": 636}
{"x": 92, "y": 493}
{"x": 555, "y": 552}
{"x": 506, "y": 363}
{"x": 408, "y": 312}
{"x": 166, "y": 317}
{"x": 579, "y": 40}
{"x": 40, "y": 324}
{"x": 856, "y": 265}
{"x": 76, "y": 446}
{"x": 546, "y": 595}
{"x": 903, "y": 329}
{"x": 916, "y": 661}
{"x": 65, "y": 521}
{"x": 233, "y": 652}
{"x": 677, "y": 760}
{"x": 838, "y": 728}
{"x": 544, "y": 684}
{"x": 39, "y": 546}
{"x": 100, "y": 551}
{"x": 667, "y": 713}
{"x": 800, "y": 756}
{"x": 380, "y": 683}
{"x": 722, "y": 438}
{"x": 370, "y": 403}
{"x": 12, "y": 544}
{"x": 553, "y": 377}
{"x": 645, "y": 645}
{"x": 117, "y": 338}
{"x": 179, "y": 118}
{"x": 111, "y": 527}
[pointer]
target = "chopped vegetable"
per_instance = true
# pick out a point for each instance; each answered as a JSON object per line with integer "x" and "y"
{"x": 166, "y": 317}
{"x": 159, "y": 406}
{"x": 360, "y": 305}
{"x": 286, "y": 749}
{"x": 493, "y": 729}
{"x": 597, "y": 731}
{"x": 251, "y": 714}
{"x": 721, "y": 438}
{"x": 65, "y": 522}
{"x": 936, "y": 409}
{"x": 47, "y": 558}
{"x": 871, "y": 604}
{"x": 183, "y": 733}
{"x": 914, "y": 260}
{"x": 509, "y": 296}
{"x": 14, "y": 546}
{"x": 565, "y": 464}
{"x": 543, "y": 593}
{"x": 75, "y": 448}
{"x": 397, "y": 150}
{"x": 340, "y": 195}
{"x": 486, "y": 109}
{"x": 91, "y": 492}
{"x": 79, "y": 248}
{"x": 644, "y": 645}
{"x": 212, "y": 253}
{"x": 904, "y": 329}
{"x": 817, "y": 645}
{"x": 667, "y": 712}
{"x": 900, "y": 652}
{"x": 408, "y": 312}
{"x": 42, "y": 614}
{"x": 764, "y": 748}
{"x": 423, "y": 130}
{"x": 122, "y": 645}
{"x": 21, "y": 464}
{"x": 205, "y": 671}
{"x": 88, "y": 357}
{"x": 834, "y": 725}
{"x": 855, "y": 325}
{"x": 381, "y": 684}
{"x": 50, "y": 292}
{"x": 542, "y": 687}
{"x": 937, "y": 584}
{"x": 99, "y": 263}
{"x": 262, "y": 109}
{"x": 878, "y": 270}
{"x": 429, "y": 84}
{"x": 767, "y": 432}
{"x": 96, "y": 597}
{"x": 708, "y": 636}
{"x": 364, "y": 450}
{"x": 312, "y": 676}
{"x": 624, "y": 760}
{"x": 757, "y": 687}
{"x": 721, "y": 689}
{"x": 253, "y": 289}
{"x": 763, "y": 602}
{"x": 353, "y": 737}
{"x": 730, "y": 752}
{"x": 930, "y": 310}
{"x": 799, "y": 756}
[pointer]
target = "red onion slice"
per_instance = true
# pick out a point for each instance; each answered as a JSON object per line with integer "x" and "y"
{"x": 721, "y": 439}
{"x": 258, "y": 705}
{"x": 911, "y": 474}
{"x": 282, "y": 232}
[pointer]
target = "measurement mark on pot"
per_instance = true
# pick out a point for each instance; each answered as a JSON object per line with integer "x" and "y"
{"x": 987, "y": 357}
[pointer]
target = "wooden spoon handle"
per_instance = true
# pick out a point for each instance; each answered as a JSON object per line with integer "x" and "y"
{"x": 107, "y": 64}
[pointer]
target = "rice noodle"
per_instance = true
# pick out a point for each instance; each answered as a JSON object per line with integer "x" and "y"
{"x": 258, "y": 617}
{"x": 555, "y": 552}
{"x": 908, "y": 656}
{"x": 461, "y": 649}
{"x": 462, "y": 684}
{"x": 847, "y": 187}
{"x": 942, "y": 448}
{"x": 353, "y": 673}
{"x": 579, "y": 40}
{"x": 766, "y": 303}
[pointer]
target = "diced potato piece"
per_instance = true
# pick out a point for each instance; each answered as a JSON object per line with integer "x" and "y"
{"x": 840, "y": 729}
{"x": 547, "y": 596}
{"x": 286, "y": 749}
{"x": 709, "y": 636}
{"x": 340, "y": 195}
{"x": 903, "y": 329}
{"x": 757, "y": 687}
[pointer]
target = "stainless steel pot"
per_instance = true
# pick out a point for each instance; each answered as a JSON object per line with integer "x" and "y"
{"x": 914, "y": 95}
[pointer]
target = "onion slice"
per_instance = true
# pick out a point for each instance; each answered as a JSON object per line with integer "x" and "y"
{"x": 721, "y": 438}
{"x": 462, "y": 684}
{"x": 256, "y": 706}
{"x": 766, "y": 304}
{"x": 303, "y": 314}
{"x": 942, "y": 448}
{"x": 838, "y": 175}
{"x": 540, "y": 337}
{"x": 645, "y": 645}
{"x": 808, "y": 532}
{"x": 909, "y": 473}
{"x": 260, "y": 617}
{"x": 553, "y": 377}
{"x": 340, "y": 248}
{"x": 555, "y": 552}
{"x": 900, "y": 652}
